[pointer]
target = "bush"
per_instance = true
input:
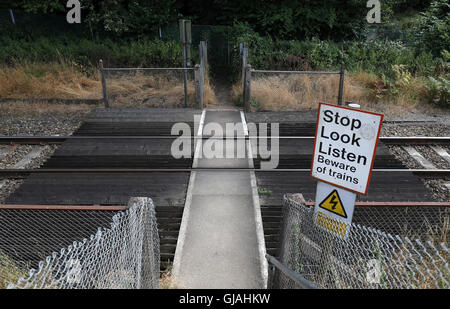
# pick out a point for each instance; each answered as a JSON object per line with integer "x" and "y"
{"x": 372, "y": 56}
{"x": 439, "y": 91}
{"x": 434, "y": 30}
{"x": 143, "y": 52}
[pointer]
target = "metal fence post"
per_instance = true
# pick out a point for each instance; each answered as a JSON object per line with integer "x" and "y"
{"x": 202, "y": 82}
{"x": 341, "y": 84}
{"x": 13, "y": 20}
{"x": 105, "y": 94}
{"x": 247, "y": 87}
{"x": 203, "y": 53}
{"x": 185, "y": 56}
{"x": 198, "y": 86}
{"x": 244, "y": 64}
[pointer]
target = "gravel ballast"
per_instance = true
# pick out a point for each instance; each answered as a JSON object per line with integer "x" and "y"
{"x": 12, "y": 124}
{"x": 436, "y": 186}
{"x": 45, "y": 125}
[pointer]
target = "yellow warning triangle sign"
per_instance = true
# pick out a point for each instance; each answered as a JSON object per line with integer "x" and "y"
{"x": 333, "y": 204}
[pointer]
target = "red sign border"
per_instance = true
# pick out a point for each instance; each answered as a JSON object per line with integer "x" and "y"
{"x": 374, "y": 150}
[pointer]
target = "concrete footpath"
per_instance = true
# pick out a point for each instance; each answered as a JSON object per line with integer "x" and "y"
{"x": 219, "y": 243}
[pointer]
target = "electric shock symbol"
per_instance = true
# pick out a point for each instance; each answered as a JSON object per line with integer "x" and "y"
{"x": 334, "y": 204}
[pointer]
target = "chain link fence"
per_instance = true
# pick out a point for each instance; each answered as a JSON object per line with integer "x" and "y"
{"x": 368, "y": 258}
{"x": 124, "y": 255}
{"x": 422, "y": 222}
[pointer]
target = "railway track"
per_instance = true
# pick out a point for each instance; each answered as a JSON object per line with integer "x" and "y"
{"x": 43, "y": 140}
{"x": 436, "y": 143}
{"x": 97, "y": 175}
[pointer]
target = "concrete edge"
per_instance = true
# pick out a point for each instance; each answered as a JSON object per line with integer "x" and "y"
{"x": 257, "y": 212}
{"x": 230, "y": 109}
{"x": 201, "y": 124}
{"x": 244, "y": 124}
{"x": 187, "y": 206}
{"x": 183, "y": 229}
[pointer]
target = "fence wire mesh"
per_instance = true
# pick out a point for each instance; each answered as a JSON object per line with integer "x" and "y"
{"x": 292, "y": 92}
{"x": 424, "y": 223}
{"x": 368, "y": 258}
{"x": 123, "y": 255}
{"x": 151, "y": 88}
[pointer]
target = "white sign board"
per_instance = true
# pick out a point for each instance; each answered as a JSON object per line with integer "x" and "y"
{"x": 333, "y": 209}
{"x": 345, "y": 146}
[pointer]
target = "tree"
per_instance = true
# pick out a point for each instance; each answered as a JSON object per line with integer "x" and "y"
{"x": 434, "y": 31}
{"x": 284, "y": 19}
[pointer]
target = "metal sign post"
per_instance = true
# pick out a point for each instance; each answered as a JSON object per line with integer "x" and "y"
{"x": 345, "y": 146}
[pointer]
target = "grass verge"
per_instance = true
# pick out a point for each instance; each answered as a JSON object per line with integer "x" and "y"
{"x": 9, "y": 271}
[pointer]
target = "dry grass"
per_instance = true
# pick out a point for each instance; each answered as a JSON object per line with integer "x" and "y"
{"x": 37, "y": 109}
{"x": 370, "y": 92}
{"x": 291, "y": 92}
{"x": 9, "y": 271}
{"x": 209, "y": 97}
{"x": 304, "y": 92}
{"x": 167, "y": 280}
{"x": 162, "y": 90}
{"x": 51, "y": 80}
{"x": 66, "y": 81}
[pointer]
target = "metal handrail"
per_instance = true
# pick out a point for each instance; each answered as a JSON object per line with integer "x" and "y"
{"x": 304, "y": 283}
{"x": 247, "y": 78}
{"x": 105, "y": 92}
{"x": 147, "y": 69}
{"x": 293, "y": 72}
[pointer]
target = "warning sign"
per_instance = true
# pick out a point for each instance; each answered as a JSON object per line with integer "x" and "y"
{"x": 333, "y": 210}
{"x": 345, "y": 144}
{"x": 333, "y": 204}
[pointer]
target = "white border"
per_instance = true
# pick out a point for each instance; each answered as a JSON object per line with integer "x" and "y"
{"x": 257, "y": 211}
{"x": 187, "y": 205}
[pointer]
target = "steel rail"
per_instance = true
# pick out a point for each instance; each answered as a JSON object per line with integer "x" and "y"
{"x": 124, "y": 207}
{"x": 293, "y": 72}
{"x": 147, "y": 69}
{"x": 395, "y": 204}
{"x": 11, "y": 173}
{"x": 391, "y": 140}
{"x": 64, "y": 207}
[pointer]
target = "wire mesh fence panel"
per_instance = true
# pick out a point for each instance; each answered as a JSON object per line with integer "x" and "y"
{"x": 124, "y": 255}
{"x": 424, "y": 223}
{"x": 289, "y": 92}
{"x": 149, "y": 88}
{"x": 217, "y": 38}
{"x": 368, "y": 258}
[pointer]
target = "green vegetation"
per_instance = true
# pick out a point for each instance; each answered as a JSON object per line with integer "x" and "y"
{"x": 88, "y": 53}
{"x": 415, "y": 67}
{"x": 373, "y": 56}
{"x": 264, "y": 191}
{"x": 408, "y": 52}
{"x": 9, "y": 271}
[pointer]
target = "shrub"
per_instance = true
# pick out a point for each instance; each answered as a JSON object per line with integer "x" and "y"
{"x": 372, "y": 56}
{"x": 143, "y": 52}
{"x": 434, "y": 30}
{"x": 439, "y": 91}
